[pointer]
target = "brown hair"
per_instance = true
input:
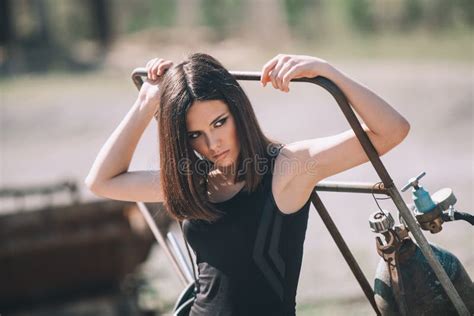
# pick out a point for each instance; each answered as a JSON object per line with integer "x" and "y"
{"x": 183, "y": 175}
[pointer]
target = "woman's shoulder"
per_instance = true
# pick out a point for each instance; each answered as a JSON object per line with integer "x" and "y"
{"x": 290, "y": 190}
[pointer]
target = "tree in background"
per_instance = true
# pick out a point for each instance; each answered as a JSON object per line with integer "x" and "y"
{"x": 306, "y": 19}
{"x": 222, "y": 17}
{"x": 38, "y": 35}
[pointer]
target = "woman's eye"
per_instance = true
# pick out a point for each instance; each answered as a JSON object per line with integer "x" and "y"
{"x": 217, "y": 124}
{"x": 221, "y": 121}
{"x": 193, "y": 135}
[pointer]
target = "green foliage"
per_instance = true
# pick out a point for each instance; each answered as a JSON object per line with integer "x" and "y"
{"x": 440, "y": 14}
{"x": 223, "y": 17}
{"x": 142, "y": 14}
{"x": 467, "y": 10}
{"x": 372, "y": 16}
{"x": 412, "y": 14}
{"x": 305, "y": 18}
{"x": 361, "y": 15}
{"x": 72, "y": 20}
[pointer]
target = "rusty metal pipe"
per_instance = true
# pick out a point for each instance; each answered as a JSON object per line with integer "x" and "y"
{"x": 346, "y": 253}
{"x": 351, "y": 187}
{"x": 162, "y": 242}
{"x": 185, "y": 265}
{"x": 137, "y": 76}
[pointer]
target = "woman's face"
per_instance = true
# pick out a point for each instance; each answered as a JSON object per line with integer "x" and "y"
{"x": 211, "y": 131}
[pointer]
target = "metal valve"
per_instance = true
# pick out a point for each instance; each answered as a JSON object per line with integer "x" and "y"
{"x": 413, "y": 182}
{"x": 428, "y": 208}
{"x": 421, "y": 197}
{"x": 381, "y": 221}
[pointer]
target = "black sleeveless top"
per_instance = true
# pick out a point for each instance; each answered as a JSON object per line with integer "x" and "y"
{"x": 249, "y": 260}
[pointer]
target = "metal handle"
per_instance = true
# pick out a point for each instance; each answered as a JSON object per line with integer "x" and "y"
{"x": 137, "y": 75}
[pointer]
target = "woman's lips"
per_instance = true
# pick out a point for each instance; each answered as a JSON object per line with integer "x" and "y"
{"x": 221, "y": 155}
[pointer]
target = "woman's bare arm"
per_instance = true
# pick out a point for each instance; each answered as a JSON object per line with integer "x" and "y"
{"x": 321, "y": 157}
{"x": 385, "y": 127}
{"x": 109, "y": 176}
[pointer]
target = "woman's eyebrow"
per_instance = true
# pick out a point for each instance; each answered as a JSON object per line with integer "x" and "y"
{"x": 213, "y": 121}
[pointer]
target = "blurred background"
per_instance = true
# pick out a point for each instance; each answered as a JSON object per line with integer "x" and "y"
{"x": 65, "y": 85}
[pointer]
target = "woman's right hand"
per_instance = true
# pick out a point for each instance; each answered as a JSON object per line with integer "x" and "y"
{"x": 149, "y": 91}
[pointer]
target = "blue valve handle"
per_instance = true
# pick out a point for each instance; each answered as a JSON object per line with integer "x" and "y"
{"x": 420, "y": 196}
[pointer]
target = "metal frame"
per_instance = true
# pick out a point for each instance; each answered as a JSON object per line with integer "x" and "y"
{"x": 388, "y": 188}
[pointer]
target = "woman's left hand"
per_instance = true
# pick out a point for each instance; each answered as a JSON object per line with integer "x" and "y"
{"x": 282, "y": 68}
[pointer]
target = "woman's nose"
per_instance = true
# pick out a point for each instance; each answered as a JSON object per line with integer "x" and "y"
{"x": 213, "y": 144}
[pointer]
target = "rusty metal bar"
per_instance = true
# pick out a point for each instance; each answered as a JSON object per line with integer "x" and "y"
{"x": 351, "y": 187}
{"x": 185, "y": 265}
{"x": 162, "y": 242}
{"x": 137, "y": 75}
{"x": 346, "y": 253}
{"x": 374, "y": 158}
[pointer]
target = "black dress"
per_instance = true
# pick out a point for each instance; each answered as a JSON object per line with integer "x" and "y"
{"x": 249, "y": 260}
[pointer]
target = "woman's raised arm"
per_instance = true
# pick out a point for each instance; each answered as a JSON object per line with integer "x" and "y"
{"x": 109, "y": 176}
{"x": 327, "y": 156}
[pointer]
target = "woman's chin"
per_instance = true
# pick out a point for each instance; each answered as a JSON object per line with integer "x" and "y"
{"x": 225, "y": 163}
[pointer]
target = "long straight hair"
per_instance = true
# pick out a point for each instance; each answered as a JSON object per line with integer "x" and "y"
{"x": 184, "y": 175}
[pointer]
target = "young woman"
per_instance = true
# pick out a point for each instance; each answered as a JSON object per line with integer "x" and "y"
{"x": 243, "y": 198}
